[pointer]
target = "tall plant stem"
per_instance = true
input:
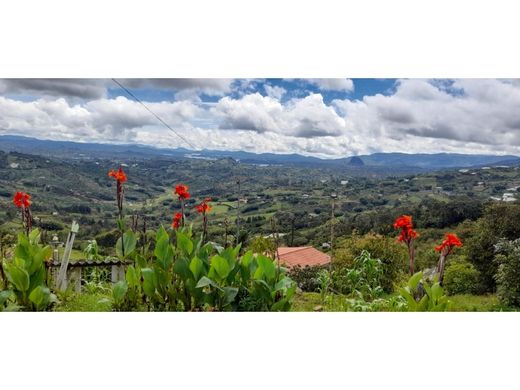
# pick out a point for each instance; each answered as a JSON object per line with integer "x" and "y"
{"x": 411, "y": 254}
{"x": 2, "y": 273}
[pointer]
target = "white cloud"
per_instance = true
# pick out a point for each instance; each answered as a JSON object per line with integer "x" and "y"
{"x": 275, "y": 91}
{"x": 307, "y": 117}
{"x": 102, "y": 120}
{"x": 97, "y": 88}
{"x": 476, "y": 111}
{"x": 342, "y": 85}
{"x": 468, "y": 116}
{"x": 78, "y": 88}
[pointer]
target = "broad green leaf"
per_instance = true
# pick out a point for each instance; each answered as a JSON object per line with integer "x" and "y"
{"x": 162, "y": 280}
{"x": 220, "y": 267}
{"x": 437, "y": 292}
{"x": 119, "y": 291}
{"x": 148, "y": 281}
{"x": 22, "y": 250}
{"x": 19, "y": 277}
{"x": 414, "y": 280}
{"x": 196, "y": 267}
{"x": 423, "y": 303}
{"x": 205, "y": 281}
{"x": 4, "y": 296}
{"x": 161, "y": 234}
{"x": 40, "y": 256}
{"x": 229, "y": 295}
{"x": 184, "y": 243}
{"x": 37, "y": 279}
{"x": 34, "y": 236}
{"x": 262, "y": 290}
{"x": 182, "y": 268}
{"x": 409, "y": 298}
{"x": 246, "y": 259}
{"x": 131, "y": 277}
{"x": 164, "y": 252}
{"x": 129, "y": 240}
{"x": 283, "y": 284}
{"x": 40, "y": 296}
{"x": 266, "y": 268}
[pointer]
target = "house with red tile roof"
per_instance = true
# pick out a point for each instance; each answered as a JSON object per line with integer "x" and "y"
{"x": 302, "y": 256}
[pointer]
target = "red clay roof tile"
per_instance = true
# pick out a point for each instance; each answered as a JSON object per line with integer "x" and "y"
{"x": 302, "y": 256}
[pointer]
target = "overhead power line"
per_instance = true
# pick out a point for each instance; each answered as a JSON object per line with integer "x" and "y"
{"x": 153, "y": 113}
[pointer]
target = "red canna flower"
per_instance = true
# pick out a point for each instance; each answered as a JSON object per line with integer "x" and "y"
{"x": 404, "y": 222}
{"x": 407, "y": 235}
{"x": 119, "y": 175}
{"x": 181, "y": 191}
{"x": 450, "y": 241}
{"x": 177, "y": 218}
{"x": 22, "y": 199}
{"x": 204, "y": 206}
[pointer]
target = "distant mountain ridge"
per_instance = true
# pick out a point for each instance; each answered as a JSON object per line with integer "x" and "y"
{"x": 419, "y": 161}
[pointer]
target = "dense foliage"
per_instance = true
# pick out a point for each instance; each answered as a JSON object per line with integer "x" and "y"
{"x": 306, "y": 278}
{"x": 386, "y": 249}
{"x": 500, "y": 221}
{"x": 179, "y": 270}
{"x": 27, "y": 274}
{"x": 421, "y": 296}
{"x": 508, "y": 273}
{"x": 193, "y": 276}
{"x": 461, "y": 278}
{"x": 363, "y": 278}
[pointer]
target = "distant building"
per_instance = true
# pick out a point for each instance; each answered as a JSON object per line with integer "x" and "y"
{"x": 274, "y": 235}
{"x": 508, "y": 197}
{"x": 344, "y": 182}
{"x": 463, "y": 170}
{"x": 302, "y": 256}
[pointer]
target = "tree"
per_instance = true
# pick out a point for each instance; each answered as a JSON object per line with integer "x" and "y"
{"x": 500, "y": 220}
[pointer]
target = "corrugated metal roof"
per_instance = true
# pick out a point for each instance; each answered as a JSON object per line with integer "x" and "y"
{"x": 93, "y": 263}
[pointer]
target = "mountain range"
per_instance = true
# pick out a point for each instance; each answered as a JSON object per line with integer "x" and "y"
{"x": 408, "y": 161}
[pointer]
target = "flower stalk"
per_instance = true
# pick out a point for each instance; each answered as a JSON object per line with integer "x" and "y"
{"x": 445, "y": 249}
{"x": 408, "y": 236}
{"x": 22, "y": 200}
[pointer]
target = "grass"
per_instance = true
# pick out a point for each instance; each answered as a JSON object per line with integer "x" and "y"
{"x": 468, "y": 302}
{"x": 308, "y": 301}
{"x": 73, "y": 302}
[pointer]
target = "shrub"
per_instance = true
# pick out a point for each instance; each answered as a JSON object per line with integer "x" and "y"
{"x": 392, "y": 255}
{"x": 461, "y": 278}
{"x": 500, "y": 220}
{"x": 508, "y": 272}
{"x": 362, "y": 279}
{"x": 306, "y": 278}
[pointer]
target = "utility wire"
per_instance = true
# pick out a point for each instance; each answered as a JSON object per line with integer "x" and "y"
{"x": 153, "y": 113}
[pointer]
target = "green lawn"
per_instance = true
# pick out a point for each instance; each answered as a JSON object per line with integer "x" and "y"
{"x": 459, "y": 303}
{"x": 84, "y": 302}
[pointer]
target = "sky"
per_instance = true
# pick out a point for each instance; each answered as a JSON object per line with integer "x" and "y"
{"x": 328, "y": 118}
